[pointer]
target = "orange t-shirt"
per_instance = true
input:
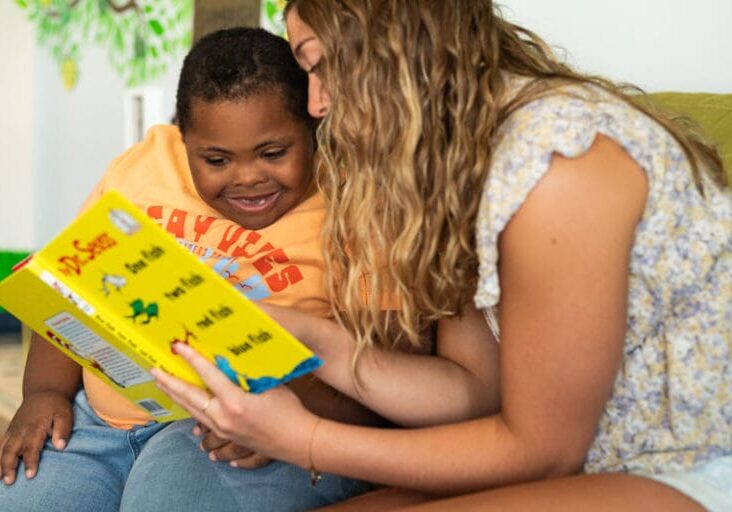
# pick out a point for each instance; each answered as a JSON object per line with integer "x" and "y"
{"x": 280, "y": 264}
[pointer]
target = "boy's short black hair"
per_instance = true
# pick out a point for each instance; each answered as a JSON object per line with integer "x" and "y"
{"x": 238, "y": 63}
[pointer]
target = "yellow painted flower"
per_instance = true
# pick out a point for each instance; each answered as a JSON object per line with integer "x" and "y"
{"x": 69, "y": 73}
{"x": 45, "y": 3}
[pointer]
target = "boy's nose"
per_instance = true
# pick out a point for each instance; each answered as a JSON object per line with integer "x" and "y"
{"x": 249, "y": 175}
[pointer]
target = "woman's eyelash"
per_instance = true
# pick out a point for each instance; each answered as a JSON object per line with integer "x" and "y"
{"x": 315, "y": 67}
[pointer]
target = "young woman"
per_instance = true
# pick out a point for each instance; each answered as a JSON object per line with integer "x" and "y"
{"x": 461, "y": 160}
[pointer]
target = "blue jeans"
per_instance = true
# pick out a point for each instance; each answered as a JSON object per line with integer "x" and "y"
{"x": 158, "y": 467}
{"x": 172, "y": 460}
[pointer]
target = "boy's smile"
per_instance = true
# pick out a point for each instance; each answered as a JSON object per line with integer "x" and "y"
{"x": 250, "y": 159}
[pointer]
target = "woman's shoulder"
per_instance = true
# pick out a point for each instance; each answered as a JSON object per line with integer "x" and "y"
{"x": 564, "y": 118}
{"x": 560, "y": 124}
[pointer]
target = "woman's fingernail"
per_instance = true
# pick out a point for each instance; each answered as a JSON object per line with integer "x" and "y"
{"x": 233, "y": 464}
{"x": 181, "y": 348}
{"x": 212, "y": 456}
{"x": 29, "y": 473}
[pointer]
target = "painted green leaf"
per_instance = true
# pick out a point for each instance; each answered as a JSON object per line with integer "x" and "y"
{"x": 138, "y": 41}
{"x": 271, "y": 10}
{"x": 156, "y": 27}
{"x": 119, "y": 40}
{"x": 140, "y": 47}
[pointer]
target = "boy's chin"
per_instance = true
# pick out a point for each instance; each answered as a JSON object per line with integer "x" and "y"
{"x": 255, "y": 222}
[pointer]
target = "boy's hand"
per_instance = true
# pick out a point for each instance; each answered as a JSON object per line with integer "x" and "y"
{"x": 42, "y": 414}
{"x": 222, "y": 450}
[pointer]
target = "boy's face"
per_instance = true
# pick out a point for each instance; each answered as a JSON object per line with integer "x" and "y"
{"x": 250, "y": 159}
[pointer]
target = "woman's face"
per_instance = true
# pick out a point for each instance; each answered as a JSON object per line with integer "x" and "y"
{"x": 308, "y": 52}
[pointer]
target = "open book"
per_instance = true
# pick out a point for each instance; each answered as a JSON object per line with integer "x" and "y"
{"x": 114, "y": 291}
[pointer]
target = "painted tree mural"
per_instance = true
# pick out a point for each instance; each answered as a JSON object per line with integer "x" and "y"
{"x": 141, "y": 36}
{"x": 271, "y": 16}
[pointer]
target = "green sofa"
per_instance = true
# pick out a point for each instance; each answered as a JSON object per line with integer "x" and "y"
{"x": 713, "y": 112}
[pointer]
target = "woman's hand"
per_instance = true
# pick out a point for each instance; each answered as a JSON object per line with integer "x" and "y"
{"x": 272, "y": 424}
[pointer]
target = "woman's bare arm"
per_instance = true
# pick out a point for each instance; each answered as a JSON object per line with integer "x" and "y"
{"x": 459, "y": 382}
{"x": 564, "y": 276}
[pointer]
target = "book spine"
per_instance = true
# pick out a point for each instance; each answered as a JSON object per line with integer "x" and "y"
{"x": 87, "y": 332}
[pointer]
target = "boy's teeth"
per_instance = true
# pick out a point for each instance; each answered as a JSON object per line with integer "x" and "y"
{"x": 256, "y": 202}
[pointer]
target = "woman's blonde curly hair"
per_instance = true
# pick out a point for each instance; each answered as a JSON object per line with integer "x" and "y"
{"x": 418, "y": 90}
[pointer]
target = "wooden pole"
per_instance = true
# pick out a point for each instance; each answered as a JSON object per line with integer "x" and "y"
{"x": 211, "y": 15}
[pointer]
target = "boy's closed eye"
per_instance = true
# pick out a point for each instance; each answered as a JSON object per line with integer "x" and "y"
{"x": 274, "y": 154}
{"x": 215, "y": 161}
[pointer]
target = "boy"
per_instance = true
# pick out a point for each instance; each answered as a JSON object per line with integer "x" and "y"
{"x": 237, "y": 190}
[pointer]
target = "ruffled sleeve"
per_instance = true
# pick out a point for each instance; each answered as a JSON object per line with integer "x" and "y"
{"x": 564, "y": 123}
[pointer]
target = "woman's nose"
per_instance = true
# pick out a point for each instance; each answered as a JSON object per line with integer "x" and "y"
{"x": 318, "y": 98}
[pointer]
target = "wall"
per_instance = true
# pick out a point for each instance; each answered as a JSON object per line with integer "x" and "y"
{"x": 64, "y": 141}
{"x": 78, "y": 133}
{"x": 656, "y": 44}
{"x": 17, "y": 163}
{"x": 54, "y": 143}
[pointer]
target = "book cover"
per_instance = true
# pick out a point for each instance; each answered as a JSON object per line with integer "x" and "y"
{"x": 114, "y": 291}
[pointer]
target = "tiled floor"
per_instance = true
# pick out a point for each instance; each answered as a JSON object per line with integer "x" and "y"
{"x": 11, "y": 371}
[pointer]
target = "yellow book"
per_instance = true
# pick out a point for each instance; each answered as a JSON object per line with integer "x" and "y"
{"x": 114, "y": 291}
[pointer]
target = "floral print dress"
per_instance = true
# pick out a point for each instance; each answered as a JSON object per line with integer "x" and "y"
{"x": 671, "y": 404}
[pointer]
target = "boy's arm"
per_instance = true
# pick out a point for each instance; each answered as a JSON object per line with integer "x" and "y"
{"x": 49, "y": 370}
{"x": 49, "y": 384}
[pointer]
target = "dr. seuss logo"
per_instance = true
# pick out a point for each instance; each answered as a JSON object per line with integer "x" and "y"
{"x": 85, "y": 253}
